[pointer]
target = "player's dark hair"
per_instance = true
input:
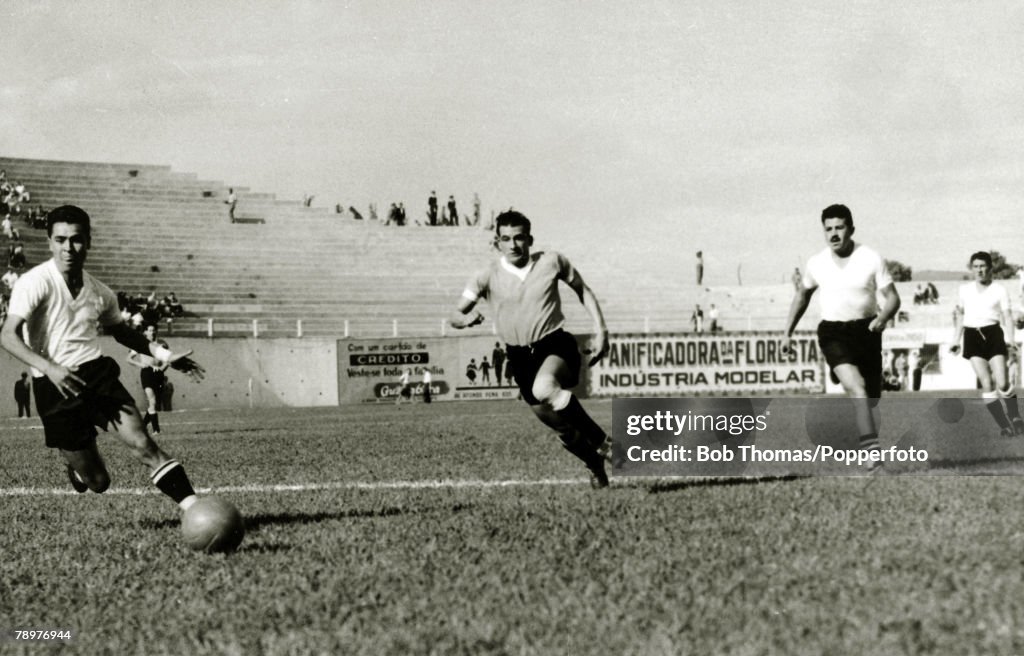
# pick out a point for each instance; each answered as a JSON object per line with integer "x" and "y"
{"x": 68, "y": 214}
{"x": 838, "y": 212}
{"x": 980, "y": 255}
{"x": 512, "y": 219}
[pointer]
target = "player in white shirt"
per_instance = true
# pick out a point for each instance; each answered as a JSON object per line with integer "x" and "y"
{"x": 55, "y": 312}
{"x": 521, "y": 289}
{"x": 851, "y": 276}
{"x": 985, "y": 323}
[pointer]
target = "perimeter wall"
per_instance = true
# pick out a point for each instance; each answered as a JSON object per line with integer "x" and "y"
{"x": 243, "y": 372}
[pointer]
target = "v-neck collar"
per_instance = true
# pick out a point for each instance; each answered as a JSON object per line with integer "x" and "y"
{"x": 63, "y": 285}
{"x": 520, "y": 273}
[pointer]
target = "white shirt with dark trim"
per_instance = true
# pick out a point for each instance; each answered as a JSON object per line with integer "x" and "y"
{"x": 982, "y": 304}
{"x": 525, "y": 301}
{"x": 62, "y": 329}
{"x": 849, "y": 285}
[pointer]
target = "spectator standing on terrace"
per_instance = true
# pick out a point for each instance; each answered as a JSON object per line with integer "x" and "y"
{"x": 22, "y": 395}
{"x": 7, "y": 227}
{"x": 485, "y": 371}
{"x": 453, "y": 214}
{"x": 521, "y": 289}
{"x": 432, "y": 208}
{"x": 700, "y": 268}
{"x": 56, "y": 310}
{"x": 476, "y": 218}
{"x": 10, "y": 278}
{"x": 16, "y": 255}
{"x": 697, "y": 320}
{"x": 914, "y": 365}
{"x": 850, "y": 276}
{"x": 231, "y": 202}
{"x": 984, "y": 320}
{"x": 713, "y": 318}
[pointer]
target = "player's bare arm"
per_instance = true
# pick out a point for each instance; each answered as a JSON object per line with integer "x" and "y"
{"x": 890, "y": 306}
{"x": 126, "y": 336}
{"x": 1006, "y": 319}
{"x": 599, "y": 346}
{"x": 801, "y": 300}
{"x": 63, "y": 378}
{"x": 958, "y": 329}
{"x": 465, "y": 315}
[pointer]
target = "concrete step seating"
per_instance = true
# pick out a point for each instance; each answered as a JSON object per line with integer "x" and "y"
{"x": 161, "y": 230}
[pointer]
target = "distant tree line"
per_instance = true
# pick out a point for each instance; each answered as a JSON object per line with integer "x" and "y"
{"x": 1001, "y": 269}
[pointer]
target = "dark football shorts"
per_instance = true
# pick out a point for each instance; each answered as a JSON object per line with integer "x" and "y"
{"x": 525, "y": 361}
{"x": 70, "y": 423}
{"x": 850, "y": 342}
{"x": 985, "y": 342}
{"x": 153, "y": 379}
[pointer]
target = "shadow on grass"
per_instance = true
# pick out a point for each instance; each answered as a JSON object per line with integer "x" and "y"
{"x": 255, "y": 522}
{"x": 675, "y": 486}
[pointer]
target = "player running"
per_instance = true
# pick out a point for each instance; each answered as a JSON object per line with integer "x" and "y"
{"x": 850, "y": 333}
{"x": 521, "y": 289}
{"x": 984, "y": 320}
{"x": 153, "y": 378}
{"x": 52, "y": 326}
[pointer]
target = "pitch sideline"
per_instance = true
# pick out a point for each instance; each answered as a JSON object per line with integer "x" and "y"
{"x": 312, "y": 487}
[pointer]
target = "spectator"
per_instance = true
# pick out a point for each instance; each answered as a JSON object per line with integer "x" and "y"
{"x": 476, "y": 216}
{"x": 22, "y": 394}
{"x": 432, "y": 208}
{"x": 697, "y": 320}
{"x": 914, "y": 364}
{"x": 231, "y": 202}
{"x": 453, "y": 213}
{"x": 9, "y": 279}
{"x": 173, "y": 305}
{"x": 427, "y": 379}
{"x": 16, "y": 255}
{"x": 7, "y": 227}
{"x": 713, "y": 318}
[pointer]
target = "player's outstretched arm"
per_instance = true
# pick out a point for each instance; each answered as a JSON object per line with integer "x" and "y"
{"x": 138, "y": 342}
{"x": 890, "y": 306}
{"x": 465, "y": 315}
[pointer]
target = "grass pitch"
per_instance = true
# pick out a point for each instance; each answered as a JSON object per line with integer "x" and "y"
{"x": 464, "y": 528}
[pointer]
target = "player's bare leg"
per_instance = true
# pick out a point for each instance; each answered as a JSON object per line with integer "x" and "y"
{"x": 992, "y": 378}
{"x": 87, "y": 469}
{"x": 151, "y": 418}
{"x": 167, "y": 474}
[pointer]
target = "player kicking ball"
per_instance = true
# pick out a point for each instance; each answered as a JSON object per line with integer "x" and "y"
{"x": 521, "y": 289}
{"x": 52, "y": 326}
{"x": 984, "y": 320}
{"x": 850, "y": 276}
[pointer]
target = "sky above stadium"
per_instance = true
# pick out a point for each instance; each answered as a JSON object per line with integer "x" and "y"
{"x": 649, "y": 129}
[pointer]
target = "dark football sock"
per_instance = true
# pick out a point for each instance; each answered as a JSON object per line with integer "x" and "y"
{"x": 574, "y": 414}
{"x": 155, "y": 420}
{"x": 170, "y": 478}
{"x": 869, "y": 442}
{"x": 995, "y": 408}
{"x": 1010, "y": 401}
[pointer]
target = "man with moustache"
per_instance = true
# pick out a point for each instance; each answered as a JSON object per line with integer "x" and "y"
{"x": 850, "y": 276}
